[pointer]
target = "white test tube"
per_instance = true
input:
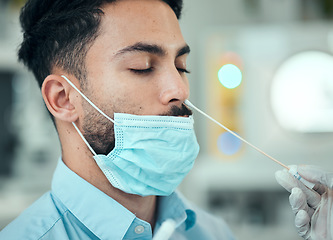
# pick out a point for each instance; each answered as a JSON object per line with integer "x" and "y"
{"x": 293, "y": 171}
{"x": 166, "y": 230}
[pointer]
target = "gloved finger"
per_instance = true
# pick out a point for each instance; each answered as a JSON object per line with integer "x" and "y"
{"x": 302, "y": 223}
{"x": 316, "y": 175}
{"x": 320, "y": 188}
{"x": 286, "y": 180}
{"x": 298, "y": 201}
{"x": 312, "y": 197}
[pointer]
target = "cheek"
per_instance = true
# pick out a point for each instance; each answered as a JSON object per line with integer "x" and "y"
{"x": 132, "y": 98}
{"x": 121, "y": 91}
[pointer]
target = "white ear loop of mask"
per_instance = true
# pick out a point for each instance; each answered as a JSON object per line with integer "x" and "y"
{"x": 94, "y": 106}
{"x": 87, "y": 99}
{"x": 84, "y": 139}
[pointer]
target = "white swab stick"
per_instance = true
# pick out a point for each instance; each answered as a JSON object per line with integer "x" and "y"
{"x": 188, "y": 103}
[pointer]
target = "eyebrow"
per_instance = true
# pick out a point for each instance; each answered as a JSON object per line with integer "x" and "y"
{"x": 152, "y": 49}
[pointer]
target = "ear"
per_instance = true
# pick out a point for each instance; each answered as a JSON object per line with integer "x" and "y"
{"x": 60, "y": 99}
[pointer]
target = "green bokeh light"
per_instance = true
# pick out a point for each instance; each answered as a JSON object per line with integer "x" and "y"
{"x": 230, "y": 76}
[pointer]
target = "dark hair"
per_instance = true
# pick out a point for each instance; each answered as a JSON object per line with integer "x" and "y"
{"x": 60, "y": 32}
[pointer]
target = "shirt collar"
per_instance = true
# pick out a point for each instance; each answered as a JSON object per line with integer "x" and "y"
{"x": 83, "y": 199}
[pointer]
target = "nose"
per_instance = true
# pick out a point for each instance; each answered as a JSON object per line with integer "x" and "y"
{"x": 174, "y": 88}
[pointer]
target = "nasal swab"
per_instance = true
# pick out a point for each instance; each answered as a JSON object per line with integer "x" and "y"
{"x": 291, "y": 170}
{"x": 187, "y": 102}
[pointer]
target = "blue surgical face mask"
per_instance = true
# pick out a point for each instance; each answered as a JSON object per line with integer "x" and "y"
{"x": 152, "y": 154}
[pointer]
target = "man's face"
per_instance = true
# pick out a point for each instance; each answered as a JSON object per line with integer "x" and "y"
{"x": 136, "y": 65}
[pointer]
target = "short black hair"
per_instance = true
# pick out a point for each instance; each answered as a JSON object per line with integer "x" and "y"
{"x": 60, "y": 32}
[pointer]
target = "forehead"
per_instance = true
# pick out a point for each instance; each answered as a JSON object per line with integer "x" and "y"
{"x": 126, "y": 22}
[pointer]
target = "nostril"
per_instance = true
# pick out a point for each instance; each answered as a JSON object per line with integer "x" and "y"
{"x": 174, "y": 100}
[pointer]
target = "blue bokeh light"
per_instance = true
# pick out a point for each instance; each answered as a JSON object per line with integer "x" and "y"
{"x": 228, "y": 143}
{"x": 230, "y": 76}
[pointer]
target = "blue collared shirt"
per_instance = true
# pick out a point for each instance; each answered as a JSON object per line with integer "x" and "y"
{"x": 74, "y": 209}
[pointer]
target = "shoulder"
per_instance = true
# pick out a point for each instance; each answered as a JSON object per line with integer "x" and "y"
{"x": 35, "y": 221}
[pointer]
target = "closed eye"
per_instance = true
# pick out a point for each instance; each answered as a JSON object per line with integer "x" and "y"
{"x": 183, "y": 70}
{"x": 142, "y": 71}
{"x": 149, "y": 70}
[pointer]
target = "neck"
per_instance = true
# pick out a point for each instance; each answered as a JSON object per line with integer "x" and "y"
{"x": 143, "y": 207}
{"x": 80, "y": 160}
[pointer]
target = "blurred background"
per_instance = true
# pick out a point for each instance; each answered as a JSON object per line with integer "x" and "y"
{"x": 264, "y": 68}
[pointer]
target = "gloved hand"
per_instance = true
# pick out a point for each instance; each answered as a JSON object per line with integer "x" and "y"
{"x": 313, "y": 207}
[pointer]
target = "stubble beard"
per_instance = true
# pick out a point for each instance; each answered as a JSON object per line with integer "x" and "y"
{"x": 98, "y": 130}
